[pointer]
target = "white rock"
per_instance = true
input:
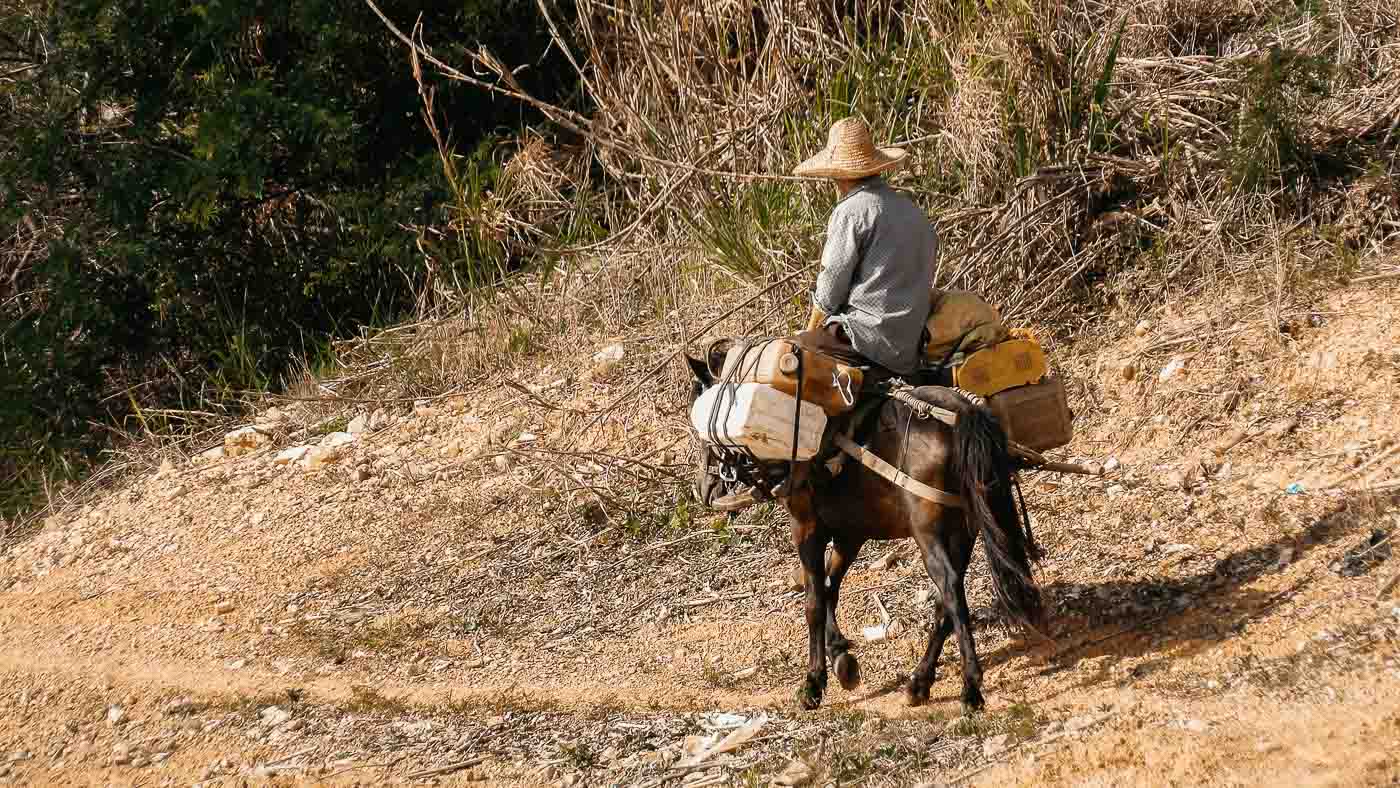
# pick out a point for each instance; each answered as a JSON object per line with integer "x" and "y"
{"x": 275, "y": 716}
{"x": 612, "y": 353}
{"x": 1172, "y": 368}
{"x": 358, "y": 425}
{"x": 224, "y": 607}
{"x": 336, "y": 439}
{"x": 116, "y": 715}
{"x": 212, "y": 455}
{"x": 1195, "y": 726}
{"x": 1111, "y": 464}
{"x": 289, "y": 456}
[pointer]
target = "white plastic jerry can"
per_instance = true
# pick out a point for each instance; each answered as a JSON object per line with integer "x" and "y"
{"x": 759, "y": 418}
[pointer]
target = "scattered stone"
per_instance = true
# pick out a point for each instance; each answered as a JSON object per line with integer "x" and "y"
{"x": 1143, "y": 328}
{"x": 116, "y": 715}
{"x": 796, "y": 773}
{"x": 179, "y": 706}
{"x": 1116, "y": 489}
{"x": 1111, "y": 464}
{"x": 996, "y": 745}
{"x": 335, "y": 439}
{"x": 611, "y": 353}
{"x": 275, "y": 716}
{"x": 224, "y": 607}
{"x": 358, "y": 425}
{"x": 244, "y": 440}
{"x": 1172, "y": 369}
{"x": 212, "y": 455}
{"x": 289, "y": 456}
{"x": 321, "y": 456}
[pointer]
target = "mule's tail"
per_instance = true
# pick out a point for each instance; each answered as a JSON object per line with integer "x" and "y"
{"x": 986, "y": 476}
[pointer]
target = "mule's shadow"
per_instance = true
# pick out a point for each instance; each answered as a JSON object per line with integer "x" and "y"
{"x": 1167, "y": 617}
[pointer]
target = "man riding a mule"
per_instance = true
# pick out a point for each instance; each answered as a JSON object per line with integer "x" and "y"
{"x": 945, "y": 453}
{"x": 871, "y": 301}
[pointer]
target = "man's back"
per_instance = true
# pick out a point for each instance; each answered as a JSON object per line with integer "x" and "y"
{"x": 878, "y": 265}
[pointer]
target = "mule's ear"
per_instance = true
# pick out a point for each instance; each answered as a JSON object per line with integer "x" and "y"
{"x": 700, "y": 368}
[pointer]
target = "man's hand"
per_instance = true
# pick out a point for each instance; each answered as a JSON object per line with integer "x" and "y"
{"x": 815, "y": 321}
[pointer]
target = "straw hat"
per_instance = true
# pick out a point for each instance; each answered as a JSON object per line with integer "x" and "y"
{"x": 849, "y": 153}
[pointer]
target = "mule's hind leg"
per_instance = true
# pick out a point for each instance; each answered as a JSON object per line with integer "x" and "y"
{"x": 837, "y": 646}
{"x": 924, "y": 674}
{"x": 946, "y": 561}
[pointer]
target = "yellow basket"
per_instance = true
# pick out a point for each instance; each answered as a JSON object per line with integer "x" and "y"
{"x": 1005, "y": 365}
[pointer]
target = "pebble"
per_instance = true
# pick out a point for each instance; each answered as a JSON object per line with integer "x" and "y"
{"x": 996, "y": 745}
{"x": 1111, "y": 464}
{"x": 1142, "y": 328}
{"x": 116, "y": 715}
{"x": 224, "y": 607}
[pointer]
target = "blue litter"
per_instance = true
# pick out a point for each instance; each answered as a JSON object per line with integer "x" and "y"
{"x": 1294, "y": 488}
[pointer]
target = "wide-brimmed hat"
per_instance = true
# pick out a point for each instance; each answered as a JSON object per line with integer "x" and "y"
{"x": 849, "y": 153}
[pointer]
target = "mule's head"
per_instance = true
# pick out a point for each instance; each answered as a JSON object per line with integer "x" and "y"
{"x": 705, "y": 369}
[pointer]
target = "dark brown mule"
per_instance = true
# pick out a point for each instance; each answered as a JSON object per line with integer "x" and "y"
{"x": 969, "y": 460}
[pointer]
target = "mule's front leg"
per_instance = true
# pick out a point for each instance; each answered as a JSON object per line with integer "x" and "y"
{"x": 811, "y": 550}
{"x": 838, "y": 648}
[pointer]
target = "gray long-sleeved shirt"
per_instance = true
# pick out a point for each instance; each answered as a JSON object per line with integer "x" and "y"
{"x": 877, "y": 270}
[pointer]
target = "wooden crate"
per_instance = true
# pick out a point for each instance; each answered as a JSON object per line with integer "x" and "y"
{"x": 1036, "y": 416}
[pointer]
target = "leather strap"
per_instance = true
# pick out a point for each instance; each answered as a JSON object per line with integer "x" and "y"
{"x": 895, "y": 476}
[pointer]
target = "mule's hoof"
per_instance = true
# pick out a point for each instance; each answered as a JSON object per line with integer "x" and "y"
{"x": 809, "y": 697}
{"x": 847, "y": 671}
{"x": 916, "y": 695}
{"x": 972, "y": 701}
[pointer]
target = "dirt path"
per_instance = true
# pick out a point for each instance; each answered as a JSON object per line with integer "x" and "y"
{"x": 419, "y": 605}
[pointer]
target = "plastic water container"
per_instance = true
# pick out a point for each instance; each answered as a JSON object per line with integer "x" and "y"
{"x": 825, "y": 381}
{"x": 759, "y": 418}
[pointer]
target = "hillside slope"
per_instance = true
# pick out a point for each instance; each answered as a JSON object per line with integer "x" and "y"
{"x": 503, "y": 586}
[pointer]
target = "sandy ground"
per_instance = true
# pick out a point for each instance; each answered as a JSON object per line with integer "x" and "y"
{"x": 418, "y": 609}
